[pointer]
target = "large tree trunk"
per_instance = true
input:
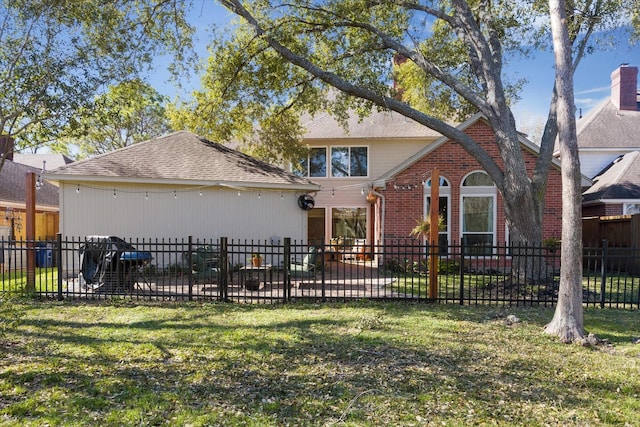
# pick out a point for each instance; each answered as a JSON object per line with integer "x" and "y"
{"x": 567, "y": 322}
{"x": 524, "y": 218}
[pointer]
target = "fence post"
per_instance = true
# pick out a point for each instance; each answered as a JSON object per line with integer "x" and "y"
{"x": 59, "y": 264}
{"x": 190, "y": 266}
{"x": 603, "y": 272}
{"x": 287, "y": 267}
{"x": 322, "y": 275}
{"x": 224, "y": 269}
{"x": 461, "y": 272}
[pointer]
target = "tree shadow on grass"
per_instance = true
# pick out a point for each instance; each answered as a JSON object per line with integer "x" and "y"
{"x": 361, "y": 363}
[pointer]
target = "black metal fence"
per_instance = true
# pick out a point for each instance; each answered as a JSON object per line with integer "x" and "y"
{"x": 258, "y": 271}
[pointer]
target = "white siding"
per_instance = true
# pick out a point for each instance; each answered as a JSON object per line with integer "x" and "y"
{"x": 150, "y": 212}
{"x": 384, "y": 155}
{"x": 592, "y": 162}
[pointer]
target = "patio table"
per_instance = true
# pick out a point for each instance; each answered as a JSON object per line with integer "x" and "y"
{"x": 250, "y": 274}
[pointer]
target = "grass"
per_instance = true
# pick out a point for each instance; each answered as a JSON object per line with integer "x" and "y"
{"x": 46, "y": 280}
{"x": 357, "y": 364}
{"x": 620, "y": 289}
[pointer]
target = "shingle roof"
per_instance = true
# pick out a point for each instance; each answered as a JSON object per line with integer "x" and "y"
{"x": 179, "y": 156}
{"x": 380, "y": 124}
{"x": 13, "y": 186}
{"x": 608, "y": 127}
{"x": 618, "y": 181}
{"x": 53, "y": 161}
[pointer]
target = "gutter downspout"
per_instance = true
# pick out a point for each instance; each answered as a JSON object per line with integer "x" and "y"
{"x": 379, "y": 238}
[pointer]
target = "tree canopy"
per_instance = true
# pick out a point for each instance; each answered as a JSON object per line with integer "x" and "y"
{"x": 56, "y": 55}
{"x": 446, "y": 60}
{"x": 126, "y": 113}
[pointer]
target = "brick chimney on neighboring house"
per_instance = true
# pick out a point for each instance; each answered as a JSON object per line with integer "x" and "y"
{"x": 624, "y": 88}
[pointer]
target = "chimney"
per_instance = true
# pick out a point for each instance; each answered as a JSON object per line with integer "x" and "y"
{"x": 6, "y": 147}
{"x": 398, "y": 60}
{"x": 624, "y": 88}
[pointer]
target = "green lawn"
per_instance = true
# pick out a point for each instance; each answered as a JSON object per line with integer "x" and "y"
{"x": 358, "y": 364}
{"x": 45, "y": 280}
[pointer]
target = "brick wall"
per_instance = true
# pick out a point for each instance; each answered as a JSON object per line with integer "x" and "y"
{"x": 610, "y": 209}
{"x": 404, "y": 195}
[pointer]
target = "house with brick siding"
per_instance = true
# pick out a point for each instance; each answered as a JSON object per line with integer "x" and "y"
{"x": 609, "y": 147}
{"x": 13, "y": 195}
{"x": 375, "y": 182}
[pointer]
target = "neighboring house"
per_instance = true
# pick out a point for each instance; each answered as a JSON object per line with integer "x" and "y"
{"x": 176, "y": 186}
{"x": 616, "y": 190}
{"x": 608, "y": 144}
{"x": 392, "y": 158}
{"x": 13, "y": 203}
{"x": 13, "y": 218}
{"x": 42, "y": 161}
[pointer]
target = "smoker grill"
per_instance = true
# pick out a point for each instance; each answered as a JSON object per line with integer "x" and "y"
{"x": 109, "y": 263}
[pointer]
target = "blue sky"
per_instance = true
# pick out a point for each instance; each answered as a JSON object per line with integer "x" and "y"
{"x": 591, "y": 81}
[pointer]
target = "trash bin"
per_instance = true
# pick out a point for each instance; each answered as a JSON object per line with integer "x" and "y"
{"x": 44, "y": 256}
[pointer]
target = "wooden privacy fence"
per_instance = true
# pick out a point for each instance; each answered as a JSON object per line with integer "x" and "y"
{"x": 618, "y": 235}
{"x": 619, "y": 231}
{"x": 263, "y": 272}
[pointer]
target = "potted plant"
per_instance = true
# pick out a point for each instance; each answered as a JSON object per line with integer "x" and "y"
{"x": 423, "y": 227}
{"x": 423, "y": 230}
{"x": 551, "y": 244}
{"x": 371, "y": 198}
{"x": 256, "y": 259}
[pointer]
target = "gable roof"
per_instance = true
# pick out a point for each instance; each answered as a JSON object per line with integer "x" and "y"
{"x": 53, "y": 161}
{"x": 526, "y": 143}
{"x": 607, "y": 127}
{"x": 379, "y": 124}
{"x": 620, "y": 180}
{"x": 180, "y": 158}
{"x": 13, "y": 185}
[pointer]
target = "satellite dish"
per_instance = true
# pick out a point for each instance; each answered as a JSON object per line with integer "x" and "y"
{"x": 306, "y": 202}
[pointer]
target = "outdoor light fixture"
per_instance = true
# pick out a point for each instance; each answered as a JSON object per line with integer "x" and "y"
{"x": 15, "y": 222}
{"x": 39, "y": 180}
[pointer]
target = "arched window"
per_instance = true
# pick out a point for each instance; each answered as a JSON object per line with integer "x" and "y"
{"x": 478, "y": 213}
{"x": 444, "y": 208}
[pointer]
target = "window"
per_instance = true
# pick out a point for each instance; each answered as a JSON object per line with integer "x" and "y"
{"x": 345, "y": 162}
{"x": 443, "y": 211}
{"x": 349, "y": 161}
{"x": 478, "y": 207}
{"x": 349, "y": 222}
{"x": 313, "y": 166}
{"x": 630, "y": 208}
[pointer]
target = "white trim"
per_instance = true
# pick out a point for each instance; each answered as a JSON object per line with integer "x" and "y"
{"x": 476, "y": 192}
{"x": 445, "y": 191}
{"x": 329, "y": 219}
{"x": 349, "y": 146}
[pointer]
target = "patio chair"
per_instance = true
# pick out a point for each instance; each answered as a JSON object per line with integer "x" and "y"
{"x": 309, "y": 266}
{"x": 356, "y": 251}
